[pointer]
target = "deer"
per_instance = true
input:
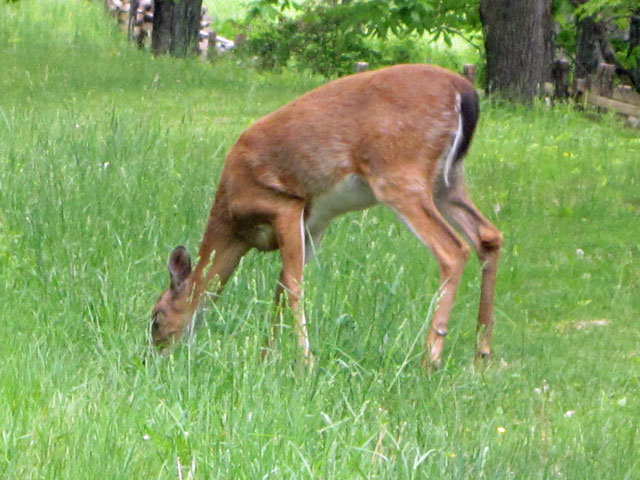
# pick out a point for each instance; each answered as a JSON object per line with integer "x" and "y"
{"x": 395, "y": 136}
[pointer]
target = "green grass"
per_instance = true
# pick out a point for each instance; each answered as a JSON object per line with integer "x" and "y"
{"x": 109, "y": 158}
{"x": 224, "y": 9}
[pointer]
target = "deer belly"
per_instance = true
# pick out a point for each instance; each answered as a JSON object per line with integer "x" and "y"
{"x": 261, "y": 236}
{"x": 351, "y": 193}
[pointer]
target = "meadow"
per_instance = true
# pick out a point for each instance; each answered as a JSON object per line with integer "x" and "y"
{"x": 109, "y": 158}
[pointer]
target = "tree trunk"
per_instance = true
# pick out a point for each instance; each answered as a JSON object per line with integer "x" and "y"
{"x": 175, "y": 27}
{"x": 634, "y": 31}
{"x": 518, "y": 39}
{"x": 634, "y": 42}
{"x": 593, "y": 47}
{"x": 588, "y": 52}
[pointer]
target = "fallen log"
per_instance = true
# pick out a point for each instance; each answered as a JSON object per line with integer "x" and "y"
{"x": 625, "y": 93}
{"x": 610, "y": 104}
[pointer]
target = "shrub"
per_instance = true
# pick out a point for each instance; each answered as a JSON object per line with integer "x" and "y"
{"x": 319, "y": 39}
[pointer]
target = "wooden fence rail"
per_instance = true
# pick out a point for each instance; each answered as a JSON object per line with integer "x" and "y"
{"x": 599, "y": 91}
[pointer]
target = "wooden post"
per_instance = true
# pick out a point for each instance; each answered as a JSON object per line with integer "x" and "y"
{"x": 469, "y": 72}
{"x": 582, "y": 85}
{"x": 239, "y": 39}
{"x": 123, "y": 14}
{"x": 211, "y": 48}
{"x": 132, "y": 22}
{"x": 361, "y": 67}
{"x": 603, "y": 81}
{"x": 560, "y": 74}
{"x": 139, "y": 35}
{"x": 203, "y": 44}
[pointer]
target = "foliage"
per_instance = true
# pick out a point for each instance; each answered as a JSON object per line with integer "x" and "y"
{"x": 616, "y": 14}
{"x": 611, "y": 9}
{"x": 565, "y": 37}
{"x": 320, "y": 40}
{"x": 381, "y": 17}
{"x": 327, "y": 36}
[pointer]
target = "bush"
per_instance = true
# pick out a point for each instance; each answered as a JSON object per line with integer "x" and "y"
{"x": 329, "y": 36}
{"x": 319, "y": 40}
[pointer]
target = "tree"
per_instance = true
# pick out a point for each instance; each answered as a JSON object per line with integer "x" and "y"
{"x": 175, "y": 27}
{"x": 441, "y": 18}
{"x": 329, "y": 36}
{"x": 595, "y": 19}
{"x": 518, "y": 44}
{"x": 633, "y": 52}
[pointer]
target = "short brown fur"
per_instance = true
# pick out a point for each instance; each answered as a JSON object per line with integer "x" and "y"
{"x": 379, "y": 136}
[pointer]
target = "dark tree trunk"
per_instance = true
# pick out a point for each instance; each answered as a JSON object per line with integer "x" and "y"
{"x": 518, "y": 39}
{"x": 175, "y": 27}
{"x": 634, "y": 42}
{"x": 634, "y": 31}
{"x": 593, "y": 47}
{"x": 588, "y": 52}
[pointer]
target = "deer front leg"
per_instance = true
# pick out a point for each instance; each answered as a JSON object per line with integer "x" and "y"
{"x": 278, "y": 305}
{"x": 312, "y": 239}
{"x": 289, "y": 227}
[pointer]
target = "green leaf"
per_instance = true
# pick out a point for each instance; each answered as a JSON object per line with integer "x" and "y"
{"x": 447, "y": 39}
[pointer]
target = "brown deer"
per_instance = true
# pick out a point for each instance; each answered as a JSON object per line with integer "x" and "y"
{"x": 395, "y": 136}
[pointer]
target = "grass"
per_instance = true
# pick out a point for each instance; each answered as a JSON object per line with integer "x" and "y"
{"x": 109, "y": 158}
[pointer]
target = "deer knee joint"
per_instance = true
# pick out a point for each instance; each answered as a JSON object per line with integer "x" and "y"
{"x": 490, "y": 238}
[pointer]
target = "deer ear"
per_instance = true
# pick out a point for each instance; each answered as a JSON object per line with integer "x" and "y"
{"x": 179, "y": 268}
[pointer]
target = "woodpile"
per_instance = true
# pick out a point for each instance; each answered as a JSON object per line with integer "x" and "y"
{"x": 139, "y": 26}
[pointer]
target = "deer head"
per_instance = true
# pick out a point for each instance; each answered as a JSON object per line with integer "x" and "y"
{"x": 173, "y": 310}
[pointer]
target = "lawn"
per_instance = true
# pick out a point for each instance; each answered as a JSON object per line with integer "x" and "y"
{"x": 109, "y": 158}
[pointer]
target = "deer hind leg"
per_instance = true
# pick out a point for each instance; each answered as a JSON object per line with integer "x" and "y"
{"x": 419, "y": 213}
{"x": 486, "y": 239}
